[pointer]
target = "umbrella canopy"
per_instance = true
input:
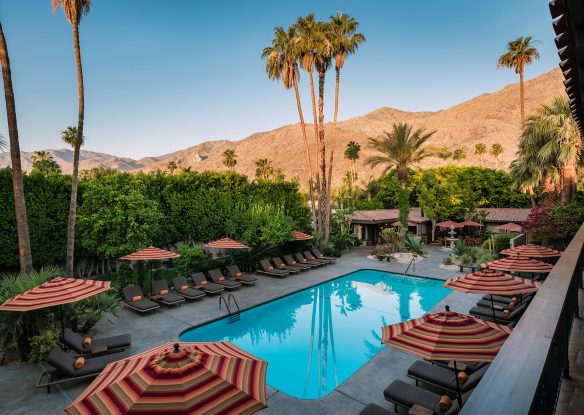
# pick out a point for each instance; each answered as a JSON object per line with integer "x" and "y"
{"x": 184, "y": 378}
{"x": 398, "y": 224}
{"x": 511, "y": 227}
{"x": 299, "y": 236}
{"x": 151, "y": 253}
{"x": 532, "y": 251}
{"x": 492, "y": 282}
{"x": 449, "y": 224}
{"x": 226, "y": 243}
{"x": 57, "y": 291}
{"x": 518, "y": 264}
{"x": 470, "y": 223}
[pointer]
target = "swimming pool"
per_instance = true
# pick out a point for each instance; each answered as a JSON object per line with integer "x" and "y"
{"x": 316, "y": 338}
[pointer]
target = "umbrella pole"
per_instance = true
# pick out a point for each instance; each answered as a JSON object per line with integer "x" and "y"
{"x": 63, "y": 328}
{"x": 493, "y": 309}
{"x": 458, "y": 395}
{"x": 151, "y": 278}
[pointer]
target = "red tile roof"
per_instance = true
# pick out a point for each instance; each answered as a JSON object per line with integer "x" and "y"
{"x": 386, "y": 216}
{"x": 504, "y": 215}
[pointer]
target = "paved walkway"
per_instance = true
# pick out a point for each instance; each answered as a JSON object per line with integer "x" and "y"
{"x": 17, "y": 381}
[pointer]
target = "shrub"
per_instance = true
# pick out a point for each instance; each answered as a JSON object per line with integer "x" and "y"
{"x": 459, "y": 249}
{"x": 414, "y": 244}
{"x": 558, "y": 225}
{"x": 330, "y": 250}
{"x": 88, "y": 312}
{"x": 447, "y": 260}
{"x": 42, "y": 344}
{"x": 498, "y": 242}
{"x": 465, "y": 259}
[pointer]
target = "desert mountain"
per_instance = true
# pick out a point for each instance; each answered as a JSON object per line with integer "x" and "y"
{"x": 488, "y": 118}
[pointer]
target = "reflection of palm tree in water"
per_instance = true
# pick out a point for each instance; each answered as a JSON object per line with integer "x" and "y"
{"x": 405, "y": 296}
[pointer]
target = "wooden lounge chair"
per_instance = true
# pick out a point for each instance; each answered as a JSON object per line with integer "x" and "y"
{"x": 300, "y": 258}
{"x": 320, "y": 255}
{"x": 310, "y": 256}
{"x": 236, "y": 275}
{"x": 267, "y": 269}
{"x": 291, "y": 261}
{"x": 218, "y": 278}
{"x": 104, "y": 345}
{"x": 373, "y": 409}
{"x": 162, "y": 294}
{"x": 487, "y": 313}
{"x": 181, "y": 287}
{"x": 407, "y": 395}
{"x": 64, "y": 368}
{"x": 442, "y": 377}
{"x": 202, "y": 284}
{"x": 135, "y": 300}
{"x": 292, "y": 269}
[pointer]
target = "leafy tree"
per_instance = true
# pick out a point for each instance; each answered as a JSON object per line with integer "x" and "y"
{"x": 229, "y": 159}
{"x": 520, "y": 52}
{"x": 496, "y": 151}
{"x": 459, "y": 154}
{"x": 43, "y": 163}
{"x": 264, "y": 170}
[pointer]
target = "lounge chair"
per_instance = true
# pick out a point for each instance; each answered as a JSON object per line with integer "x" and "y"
{"x": 373, "y": 409}
{"x": 268, "y": 269}
{"x": 292, "y": 269}
{"x": 310, "y": 256}
{"x": 104, "y": 345}
{"x": 65, "y": 370}
{"x": 470, "y": 367}
{"x": 161, "y": 293}
{"x": 320, "y": 255}
{"x": 181, "y": 287}
{"x": 202, "y": 284}
{"x": 135, "y": 300}
{"x": 443, "y": 377}
{"x": 300, "y": 258}
{"x": 506, "y": 299}
{"x": 407, "y": 395}
{"x": 291, "y": 261}
{"x": 218, "y": 278}
{"x": 487, "y": 313}
{"x": 237, "y": 275}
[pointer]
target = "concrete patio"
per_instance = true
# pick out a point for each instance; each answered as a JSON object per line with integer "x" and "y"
{"x": 364, "y": 386}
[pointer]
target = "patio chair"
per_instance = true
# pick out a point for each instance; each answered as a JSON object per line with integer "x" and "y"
{"x": 218, "y": 278}
{"x": 181, "y": 287}
{"x": 470, "y": 367}
{"x": 303, "y": 260}
{"x": 407, "y": 395}
{"x": 292, "y": 269}
{"x": 267, "y": 269}
{"x": 442, "y": 377}
{"x": 135, "y": 300}
{"x": 308, "y": 255}
{"x": 64, "y": 368}
{"x": 506, "y": 299}
{"x": 292, "y": 262}
{"x": 201, "y": 283}
{"x": 162, "y": 294}
{"x": 320, "y": 255}
{"x": 373, "y": 409}
{"x": 487, "y": 313}
{"x": 112, "y": 344}
{"x": 237, "y": 275}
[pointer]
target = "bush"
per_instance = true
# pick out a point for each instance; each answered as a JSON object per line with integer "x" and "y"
{"x": 465, "y": 259}
{"x": 554, "y": 226}
{"x": 459, "y": 249}
{"x": 330, "y": 250}
{"x": 191, "y": 260}
{"x": 414, "y": 244}
{"x": 88, "y": 312}
{"x": 343, "y": 240}
{"x": 447, "y": 260}
{"x": 498, "y": 242}
{"x": 42, "y": 344}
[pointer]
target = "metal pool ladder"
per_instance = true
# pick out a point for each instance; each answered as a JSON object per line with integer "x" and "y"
{"x": 233, "y": 315}
{"x": 412, "y": 261}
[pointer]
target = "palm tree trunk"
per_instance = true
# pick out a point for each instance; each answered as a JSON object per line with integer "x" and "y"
{"x": 569, "y": 182}
{"x": 307, "y": 148}
{"x": 333, "y": 141}
{"x": 24, "y": 252}
{"x": 521, "y": 98}
{"x": 549, "y": 192}
{"x": 69, "y": 265}
{"x": 316, "y": 161}
{"x": 532, "y": 196}
{"x": 324, "y": 201}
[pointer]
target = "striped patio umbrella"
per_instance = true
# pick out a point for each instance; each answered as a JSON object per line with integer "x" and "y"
{"x": 447, "y": 336}
{"x": 226, "y": 243}
{"x": 184, "y": 378}
{"x": 299, "y": 236}
{"x": 518, "y": 263}
{"x": 449, "y": 224}
{"x": 532, "y": 251}
{"x": 511, "y": 227}
{"x": 470, "y": 223}
{"x": 150, "y": 254}
{"x": 55, "y": 292}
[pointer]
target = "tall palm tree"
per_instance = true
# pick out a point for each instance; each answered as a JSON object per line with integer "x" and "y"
{"x": 171, "y": 166}
{"x": 345, "y": 41}
{"x": 264, "y": 169}
{"x": 401, "y": 148}
{"x": 24, "y": 252}
{"x": 282, "y": 64}
{"x": 43, "y": 162}
{"x": 229, "y": 159}
{"x": 459, "y": 154}
{"x": 352, "y": 153}
{"x": 520, "y": 52}
{"x": 443, "y": 153}
{"x": 74, "y": 10}
{"x": 496, "y": 150}
{"x": 480, "y": 150}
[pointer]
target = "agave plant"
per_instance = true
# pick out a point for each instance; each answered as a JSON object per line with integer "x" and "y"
{"x": 414, "y": 244}
{"x": 459, "y": 249}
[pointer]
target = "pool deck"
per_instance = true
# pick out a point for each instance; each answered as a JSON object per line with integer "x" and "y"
{"x": 364, "y": 386}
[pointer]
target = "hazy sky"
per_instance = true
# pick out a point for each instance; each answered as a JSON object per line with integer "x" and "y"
{"x": 164, "y": 75}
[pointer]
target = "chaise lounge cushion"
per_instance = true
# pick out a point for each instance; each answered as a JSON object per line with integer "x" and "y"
{"x": 182, "y": 288}
{"x": 373, "y": 409}
{"x": 143, "y": 305}
{"x": 218, "y": 278}
{"x": 487, "y": 313}
{"x": 160, "y": 290}
{"x": 65, "y": 363}
{"x": 235, "y": 273}
{"x": 444, "y": 377}
{"x": 75, "y": 342}
{"x": 201, "y": 282}
{"x": 407, "y": 395}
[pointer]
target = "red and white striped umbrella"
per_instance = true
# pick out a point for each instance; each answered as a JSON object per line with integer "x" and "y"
{"x": 150, "y": 254}
{"x": 226, "y": 243}
{"x": 532, "y": 251}
{"x": 511, "y": 227}
{"x": 518, "y": 263}
{"x": 299, "y": 236}
{"x": 184, "y": 378}
{"x": 470, "y": 223}
{"x": 449, "y": 224}
{"x": 492, "y": 282}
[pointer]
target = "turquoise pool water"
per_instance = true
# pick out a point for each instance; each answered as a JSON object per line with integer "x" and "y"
{"x": 316, "y": 338}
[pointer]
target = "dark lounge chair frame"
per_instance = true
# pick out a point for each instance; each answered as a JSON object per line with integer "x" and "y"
{"x": 264, "y": 269}
{"x": 292, "y": 269}
{"x": 245, "y": 278}
{"x": 299, "y": 257}
{"x": 189, "y": 293}
{"x": 98, "y": 346}
{"x": 168, "y": 299}
{"x": 209, "y": 287}
{"x": 229, "y": 284}
{"x": 133, "y": 291}
{"x": 289, "y": 260}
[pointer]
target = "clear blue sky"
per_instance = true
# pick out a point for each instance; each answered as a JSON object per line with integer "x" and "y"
{"x": 164, "y": 75}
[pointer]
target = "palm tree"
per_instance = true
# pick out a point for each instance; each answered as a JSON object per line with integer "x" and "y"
{"x": 171, "y": 166}
{"x": 352, "y": 153}
{"x": 443, "y": 153}
{"x": 229, "y": 159}
{"x": 345, "y": 41}
{"x": 264, "y": 169}
{"x": 480, "y": 150}
{"x": 459, "y": 154}
{"x": 401, "y": 148}
{"x": 24, "y": 251}
{"x": 520, "y": 52}
{"x": 496, "y": 150}
{"x": 43, "y": 163}
{"x": 282, "y": 64}
{"x": 74, "y": 10}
